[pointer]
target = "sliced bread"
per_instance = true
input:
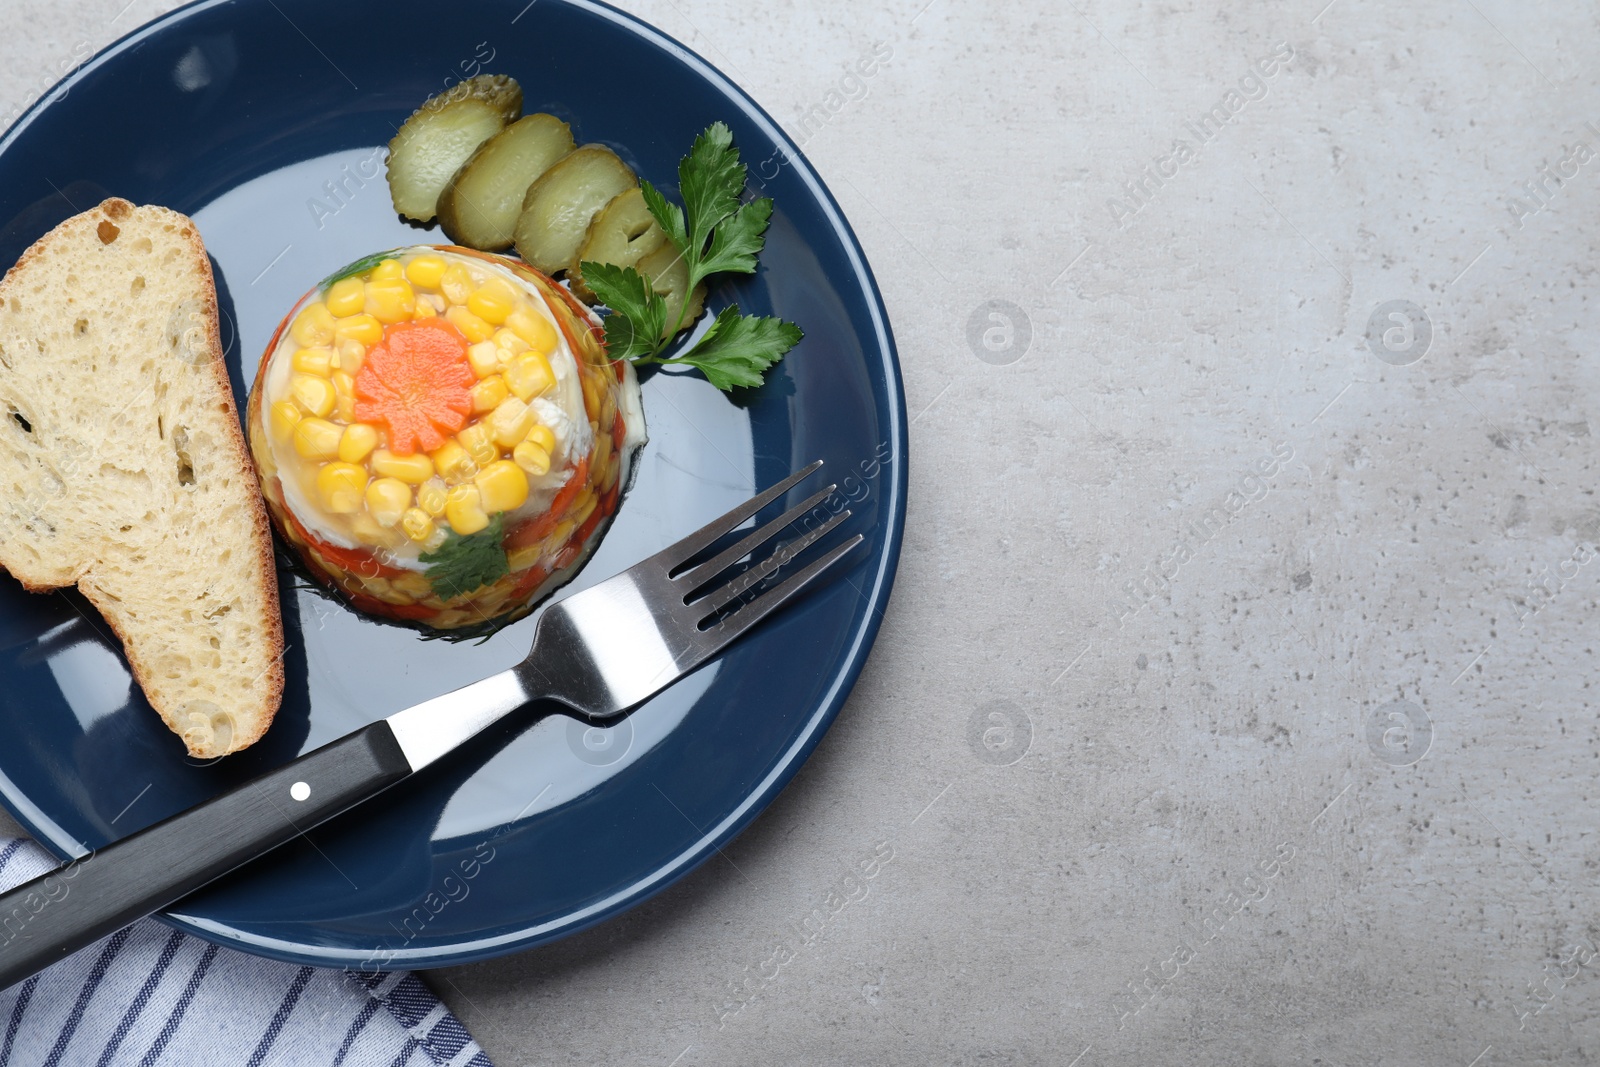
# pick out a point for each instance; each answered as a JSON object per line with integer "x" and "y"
{"x": 123, "y": 468}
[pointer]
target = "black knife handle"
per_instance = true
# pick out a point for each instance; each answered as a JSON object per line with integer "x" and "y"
{"x": 45, "y": 919}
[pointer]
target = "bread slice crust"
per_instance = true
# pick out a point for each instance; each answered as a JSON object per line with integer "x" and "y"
{"x": 124, "y": 471}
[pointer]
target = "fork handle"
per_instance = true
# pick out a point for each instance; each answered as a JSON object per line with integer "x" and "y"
{"x": 92, "y": 896}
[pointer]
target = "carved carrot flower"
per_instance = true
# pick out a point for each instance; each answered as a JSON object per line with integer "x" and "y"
{"x": 416, "y": 383}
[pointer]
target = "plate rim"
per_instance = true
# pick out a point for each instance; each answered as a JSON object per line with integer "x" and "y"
{"x": 849, "y": 665}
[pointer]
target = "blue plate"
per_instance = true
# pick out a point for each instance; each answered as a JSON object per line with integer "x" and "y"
{"x": 264, "y": 121}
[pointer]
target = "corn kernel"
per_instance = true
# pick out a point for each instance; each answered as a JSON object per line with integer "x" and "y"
{"x": 358, "y": 440}
{"x": 413, "y": 585}
{"x": 367, "y": 531}
{"x": 389, "y": 594}
{"x": 317, "y": 361}
{"x": 591, "y": 400}
{"x": 520, "y": 559}
{"x": 533, "y": 328}
{"x": 343, "y": 384}
{"x": 509, "y": 342}
{"x": 317, "y": 438}
{"x": 510, "y": 422}
{"x": 478, "y": 440}
{"x": 417, "y": 525}
{"x": 584, "y": 506}
{"x": 531, "y": 458}
{"x": 391, "y": 301}
{"x": 388, "y": 271}
{"x": 363, "y": 329}
{"x": 344, "y": 407}
{"x": 464, "y": 510}
{"x": 456, "y": 283}
{"x": 453, "y": 462}
{"x": 341, "y": 486}
{"x": 558, "y": 537}
{"x": 431, "y": 496}
{"x": 484, "y": 358}
{"x": 487, "y": 394}
{"x": 283, "y": 415}
{"x": 387, "y": 500}
{"x": 492, "y": 301}
{"x": 426, "y": 272}
{"x": 502, "y": 486}
{"x": 425, "y": 310}
{"x": 347, "y": 356}
{"x": 479, "y": 449}
{"x": 413, "y": 469}
{"x": 544, "y": 437}
{"x": 311, "y": 394}
{"x": 346, "y": 297}
{"x": 472, "y": 328}
{"x": 529, "y": 375}
{"x": 313, "y": 327}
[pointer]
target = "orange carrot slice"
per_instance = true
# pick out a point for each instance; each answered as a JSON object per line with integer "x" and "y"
{"x": 537, "y": 528}
{"x": 533, "y": 579}
{"x": 358, "y": 560}
{"x": 416, "y": 383}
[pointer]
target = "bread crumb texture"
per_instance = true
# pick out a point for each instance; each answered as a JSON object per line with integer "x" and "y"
{"x": 123, "y": 468}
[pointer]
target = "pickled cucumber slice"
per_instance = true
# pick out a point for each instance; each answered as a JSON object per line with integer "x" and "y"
{"x": 439, "y": 137}
{"x": 623, "y": 233}
{"x": 669, "y": 276}
{"x": 561, "y": 204}
{"x": 480, "y": 206}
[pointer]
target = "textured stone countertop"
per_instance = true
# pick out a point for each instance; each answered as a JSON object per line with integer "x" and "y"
{"x": 1236, "y": 703}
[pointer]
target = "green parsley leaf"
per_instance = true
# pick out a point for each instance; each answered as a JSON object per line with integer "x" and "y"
{"x": 714, "y": 233}
{"x": 360, "y": 266}
{"x": 639, "y": 314}
{"x": 737, "y": 349}
{"x": 668, "y": 216}
{"x": 464, "y": 564}
{"x": 710, "y": 179}
{"x": 736, "y": 243}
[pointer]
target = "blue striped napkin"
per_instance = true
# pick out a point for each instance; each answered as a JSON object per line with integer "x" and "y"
{"x": 151, "y": 995}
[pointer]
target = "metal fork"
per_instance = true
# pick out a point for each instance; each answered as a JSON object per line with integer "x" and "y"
{"x": 601, "y": 652}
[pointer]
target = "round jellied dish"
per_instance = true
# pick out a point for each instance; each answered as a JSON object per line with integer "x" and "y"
{"x": 440, "y": 435}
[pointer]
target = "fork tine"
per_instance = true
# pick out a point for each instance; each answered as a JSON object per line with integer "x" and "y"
{"x": 785, "y": 552}
{"x": 676, "y": 555}
{"x": 708, "y": 570}
{"x": 775, "y": 598}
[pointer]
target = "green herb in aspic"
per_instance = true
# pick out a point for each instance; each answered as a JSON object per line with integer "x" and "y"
{"x": 463, "y": 564}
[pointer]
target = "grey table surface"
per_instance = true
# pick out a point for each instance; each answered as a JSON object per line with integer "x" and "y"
{"x": 1235, "y": 703}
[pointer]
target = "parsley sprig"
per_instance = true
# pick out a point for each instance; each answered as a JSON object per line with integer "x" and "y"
{"x": 464, "y": 564}
{"x": 715, "y": 233}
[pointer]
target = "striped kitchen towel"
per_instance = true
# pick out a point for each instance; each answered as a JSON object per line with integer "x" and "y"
{"x": 151, "y": 995}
